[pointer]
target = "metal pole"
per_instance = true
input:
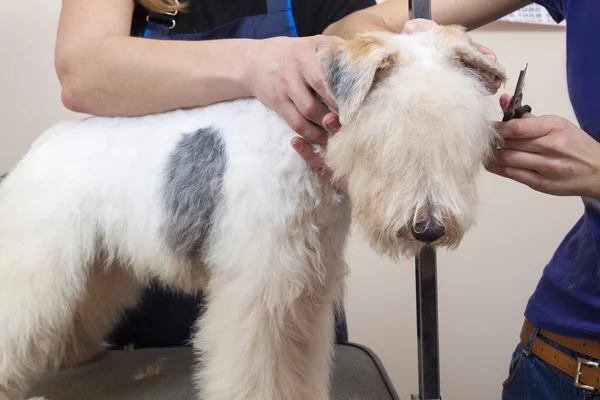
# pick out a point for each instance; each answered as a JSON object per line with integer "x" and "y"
{"x": 419, "y": 9}
{"x": 426, "y": 289}
{"x": 427, "y": 325}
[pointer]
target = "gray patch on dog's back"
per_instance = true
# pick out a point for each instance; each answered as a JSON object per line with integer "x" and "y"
{"x": 192, "y": 190}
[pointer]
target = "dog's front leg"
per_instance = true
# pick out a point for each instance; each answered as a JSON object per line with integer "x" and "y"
{"x": 255, "y": 341}
{"x": 321, "y": 344}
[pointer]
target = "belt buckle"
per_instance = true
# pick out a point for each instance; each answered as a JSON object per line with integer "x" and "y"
{"x": 580, "y": 362}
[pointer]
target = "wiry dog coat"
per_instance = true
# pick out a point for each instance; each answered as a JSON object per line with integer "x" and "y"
{"x": 216, "y": 200}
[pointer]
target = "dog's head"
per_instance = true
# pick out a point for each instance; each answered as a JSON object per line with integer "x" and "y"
{"x": 415, "y": 133}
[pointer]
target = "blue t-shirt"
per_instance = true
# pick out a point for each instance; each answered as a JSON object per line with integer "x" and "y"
{"x": 567, "y": 298}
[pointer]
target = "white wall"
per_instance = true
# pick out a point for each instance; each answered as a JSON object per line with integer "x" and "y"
{"x": 483, "y": 286}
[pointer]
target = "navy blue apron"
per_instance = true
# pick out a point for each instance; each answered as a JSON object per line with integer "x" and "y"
{"x": 162, "y": 318}
{"x": 278, "y": 21}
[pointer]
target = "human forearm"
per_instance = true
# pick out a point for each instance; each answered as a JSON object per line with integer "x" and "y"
{"x": 104, "y": 71}
{"x": 391, "y": 15}
{"x": 368, "y": 20}
{"x": 124, "y": 76}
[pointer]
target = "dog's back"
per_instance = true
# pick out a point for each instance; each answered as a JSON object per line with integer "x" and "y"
{"x": 152, "y": 186}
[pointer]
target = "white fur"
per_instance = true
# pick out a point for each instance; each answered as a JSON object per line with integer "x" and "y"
{"x": 81, "y": 215}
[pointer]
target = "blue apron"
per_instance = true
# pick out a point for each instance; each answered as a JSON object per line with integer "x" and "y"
{"x": 278, "y": 21}
{"x": 164, "y": 319}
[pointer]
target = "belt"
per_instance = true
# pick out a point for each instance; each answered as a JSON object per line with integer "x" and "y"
{"x": 585, "y": 373}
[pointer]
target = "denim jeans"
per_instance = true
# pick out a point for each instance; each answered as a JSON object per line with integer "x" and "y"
{"x": 530, "y": 378}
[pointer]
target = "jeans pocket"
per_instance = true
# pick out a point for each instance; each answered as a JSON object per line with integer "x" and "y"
{"x": 516, "y": 362}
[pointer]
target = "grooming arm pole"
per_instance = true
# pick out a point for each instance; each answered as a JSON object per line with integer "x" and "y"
{"x": 427, "y": 325}
{"x": 426, "y": 289}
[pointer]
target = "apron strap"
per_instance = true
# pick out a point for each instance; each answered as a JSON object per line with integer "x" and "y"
{"x": 274, "y": 6}
{"x": 279, "y": 19}
{"x": 283, "y": 6}
{"x": 166, "y": 20}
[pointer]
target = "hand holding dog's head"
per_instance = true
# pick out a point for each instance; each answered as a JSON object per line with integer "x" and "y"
{"x": 415, "y": 132}
{"x": 493, "y": 75}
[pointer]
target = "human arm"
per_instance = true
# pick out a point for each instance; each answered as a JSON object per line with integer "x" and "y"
{"x": 104, "y": 71}
{"x": 549, "y": 154}
{"x": 392, "y": 15}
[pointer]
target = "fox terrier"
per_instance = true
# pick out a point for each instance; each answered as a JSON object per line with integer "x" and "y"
{"x": 216, "y": 200}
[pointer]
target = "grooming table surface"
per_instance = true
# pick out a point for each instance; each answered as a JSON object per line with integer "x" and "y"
{"x": 132, "y": 375}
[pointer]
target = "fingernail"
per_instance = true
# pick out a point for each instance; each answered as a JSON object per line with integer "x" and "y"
{"x": 333, "y": 126}
{"x": 296, "y": 144}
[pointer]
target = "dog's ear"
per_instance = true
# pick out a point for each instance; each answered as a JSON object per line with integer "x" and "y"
{"x": 353, "y": 68}
{"x": 455, "y": 43}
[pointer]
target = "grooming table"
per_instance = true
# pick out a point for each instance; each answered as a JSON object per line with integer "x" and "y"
{"x": 165, "y": 374}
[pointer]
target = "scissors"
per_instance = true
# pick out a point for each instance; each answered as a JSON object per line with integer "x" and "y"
{"x": 514, "y": 108}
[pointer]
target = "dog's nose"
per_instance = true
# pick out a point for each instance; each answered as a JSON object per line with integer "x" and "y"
{"x": 427, "y": 232}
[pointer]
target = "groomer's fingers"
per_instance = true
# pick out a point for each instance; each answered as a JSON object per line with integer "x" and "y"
{"x": 486, "y": 51}
{"x": 491, "y": 81}
{"x": 308, "y": 105}
{"x": 527, "y": 177}
{"x": 302, "y": 126}
{"x": 314, "y": 160}
{"x": 504, "y": 100}
{"x": 536, "y": 145}
{"x": 527, "y": 128}
{"x": 422, "y": 25}
{"x": 331, "y": 122}
{"x": 317, "y": 82}
{"x": 524, "y": 160}
{"x": 527, "y": 115}
{"x": 418, "y": 25}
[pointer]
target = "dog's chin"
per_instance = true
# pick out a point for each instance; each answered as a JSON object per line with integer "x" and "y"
{"x": 401, "y": 243}
{"x": 410, "y": 247}
{"x": 394, "y": 245}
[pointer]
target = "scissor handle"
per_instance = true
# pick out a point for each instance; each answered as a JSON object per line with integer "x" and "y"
{"x": 516, "y": 113}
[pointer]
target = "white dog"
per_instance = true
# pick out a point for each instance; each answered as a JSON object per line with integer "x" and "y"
{"x": 216, "y": 200}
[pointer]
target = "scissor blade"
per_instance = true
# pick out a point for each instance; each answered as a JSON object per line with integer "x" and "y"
{"x": 515, "y": 100}
{"x": 518, "y": 96}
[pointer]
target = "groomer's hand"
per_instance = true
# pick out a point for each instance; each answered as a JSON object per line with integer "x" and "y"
{"x": 282, "y": 72}
{"x": 332, "y": 123}
{"x": 549, "y": 154}
{"x": 421, "y": 25}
